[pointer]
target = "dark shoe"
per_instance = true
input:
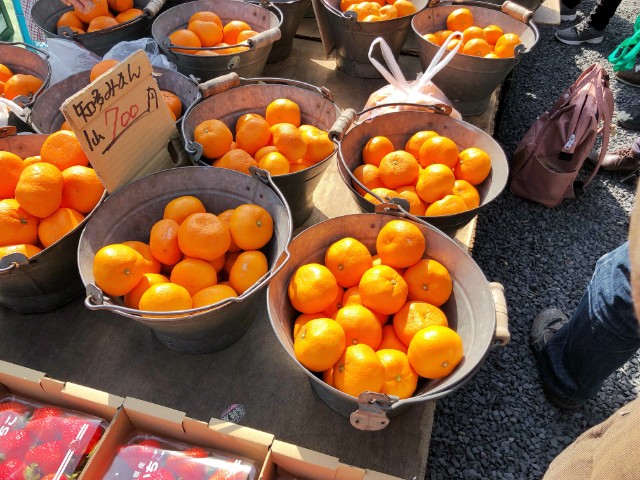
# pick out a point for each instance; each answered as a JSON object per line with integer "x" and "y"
{"x": 630, "y": 77}
{"x": 621, "y": 160}
{"x": 579, "y": 34}
{"x": 630, "y": 119}
{"x": 567, "y": 14}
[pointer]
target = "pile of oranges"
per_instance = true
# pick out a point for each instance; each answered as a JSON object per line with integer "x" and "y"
{"x": 275, "y": 141}
{"x": 103, "y": 14}
{"x": 205, "y": 29}
{"x": 189, "y": 255}
{"x": 15, "y": 85}
{"x": 42, "y": 198}
{"x": 346, "y": 303}
{"x": 487, "y": 42}
{"x": 431, "y": 173}
{"x": 378, "y": 10}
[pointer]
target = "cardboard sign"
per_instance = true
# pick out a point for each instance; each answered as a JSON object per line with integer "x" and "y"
{"x": 123, "y": 123}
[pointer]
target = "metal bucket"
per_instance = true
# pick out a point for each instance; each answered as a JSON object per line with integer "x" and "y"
{"x": 28, "y": 61}
{"x": 352, "y": 39}
{"x": 469, "y": 81}
{"x": 46, "y": 117}
{"x": 46, "y": 14}
{"x": 50, "y": 278}
{"x": 249, "y": 63}
{"x": 398, "y": 127}
{"x": 472, "y": 311}
{"x": 130, "y": 213}
{"x": 229, "y": 97}
{"x": 292, "y": 14}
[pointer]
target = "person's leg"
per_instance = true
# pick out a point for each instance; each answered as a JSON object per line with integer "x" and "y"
{"x": 600, "y": 337}
{"x": 602, "y": 13}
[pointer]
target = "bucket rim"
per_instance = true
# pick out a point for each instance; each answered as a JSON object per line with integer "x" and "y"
{"x": 42, "y": 56}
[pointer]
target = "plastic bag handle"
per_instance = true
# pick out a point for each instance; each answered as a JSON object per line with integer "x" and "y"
{"x": 395, "y": 77}
{"x": 438, "y": 63}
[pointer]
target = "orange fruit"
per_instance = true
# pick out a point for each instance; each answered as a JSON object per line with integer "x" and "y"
{"x": 416, "y": 205}
{"x": 232, "y": 29}
{"x": 336, "y": 304}
{"x": 249, "y": 267}
{"x": 435, "y": 182}
{"x": 299, "y": 165}
{"x": 27, "y": 161}
{"x": 492, "y": 33}
{"x": 128, "y": 15}
{"x": 254, "y": 134}
{"x": 246, "y": 35}
{"x": 327, "y": 376}
{"x": 400, "y": 379}
{"x": 11, "y": 166}
{"x": 473, "y": 166}
{"x": 375, "y": 149}
{"x": 438, "y": 150}
{"x": 388, "y": 12}
{"x": 430, "y": 37}
{"x": 467, "y": 193}
{"x": 400, "y": 244}
{"x": 63, "y": 150}
{"x": 166, "y": 297}
{"x": 319, "y": 146}
{"x": 476, "y": 47}
{"x": 251, "y": 227}
{"x": 101, "y": 67}
{"x": 381, "y": 192}
{"x": 312, "y": 288}
{"x": 372, "y": 18}
{"x": 206, "y": 16}
{"x": 203, "y": 236}
{"x": 163, "y": 241}
{"x": 229, "y": 259}
{"x": 348, "y": 259}
{"x": 102, "y": 22}
{"x": 82, "y": 189}
{"x": 226, "y": 218}
{"x": 283, "y": 110}
{"x": 358, "y": 369}
{"x": 193, "y": 274}
{"x": 435, "y": 351}
{"x": 505, "y": 46}
{"x": 132, "y": 299}
{"x": 57, "y": 225}
{"x": 173, "y": 102}
{"x": 218, "y": 263}
{"x": 68, "y": 19}
{"x": 117, "y": 269}
{"x": 22, "y": 85}
{"x": 453, "y": 43}
{"x": 447, "y": 205}
{"x": 184, "y": 38}
{"x": 369, "y": 176}
{"x": 391, "y": 340}
{"x": 215, "y": 138}
{"x": 351, "y": 296}
{"x": 417, "y": 139}
{"x": 360, "y": 325}
{"x": 99, "y": 8}
{"x": 383, "y": 290}
{"x": 429, "y": 281}
{"x": 404, "y": 8}
{"x": 25, "y": 249}
{"x": 319, "y": 344}
{"x": 213, "y": 294}
{"x": 152, "y": 265}
{"x": 459, "y": 20}
{"x": 181, "y": 207}
{"x": 209, "y": 33}
{"x": 236, "y": 159}
{"x": 263, "y": 151}
{"x": 472, "y": 32}
{"x": 16, "y": 224}
{"x": 378, "y": 261}
{"x": 364, "y": 9}
{"x": 413, "y": 317}
{"x": 345, "y": 4}
{"x": 303, "y": 319}
{"x": 39, "y": 189}
{"x": 288, "y": 140}
{"x": 229, "y": 51}
{"x": 275, "y": 163}
{"x": 5, "y": 73}
{"x": 398, "y": 168}
{"x": 442, "y": 35}
{"x": 491, "y": 55}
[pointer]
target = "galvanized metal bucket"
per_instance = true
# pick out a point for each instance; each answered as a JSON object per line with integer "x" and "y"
{"x": 292, "y": 12}
{"x": 50, "y": 278}
{"x": 229, "y": 97}
{"x": 45, "y": 115}
{"x": 28, "y": 61}
{"x": 352, "y": 39}
{"x": 46, "y": 14}
{"x": 264, "y": 18}
{"x": 466, "y": 80}
{"x": 476, "y": 310}
{"x": 130, "y": 213}
{"x": 398, "y": 127}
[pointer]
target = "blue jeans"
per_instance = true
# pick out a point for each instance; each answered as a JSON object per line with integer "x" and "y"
{"x": 600, "y": 337}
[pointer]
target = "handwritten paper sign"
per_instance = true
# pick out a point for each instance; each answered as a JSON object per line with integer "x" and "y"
{"x": 123, "y": 123}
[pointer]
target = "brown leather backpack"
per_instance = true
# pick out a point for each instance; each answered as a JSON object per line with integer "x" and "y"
{"x": 548, "y": 159}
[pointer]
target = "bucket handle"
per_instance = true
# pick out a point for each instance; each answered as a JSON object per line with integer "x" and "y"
{"x": 153, "y": 7}
{"x": 12, "y": 261}
{"x": 323, "y": 91}
{"x": 28, "y": 101}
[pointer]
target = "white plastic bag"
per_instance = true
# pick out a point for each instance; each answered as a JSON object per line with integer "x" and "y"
{"x": 122, "y": 50}
{"x": 6, "y": 107}
{"x": 421, "y": 91}
{"x": 67, "y": 58}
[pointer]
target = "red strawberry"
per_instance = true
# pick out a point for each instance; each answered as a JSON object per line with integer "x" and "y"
{"x": 16, "y": 407}
{"x": 13, "y": 469}
{"x": 160, "y": 474}
{"x": 12, "y": 414}
{"x": 45, "y": 429}
{"x": 182, "y": 465}
{"x": 139, "y": 454}
{"x": 44, "y": 412}
{"x": 71, "y": 427}
{"x": 15, "y": 444}
{"x": 223, "y": 474}
{"x": 48, "y": 456}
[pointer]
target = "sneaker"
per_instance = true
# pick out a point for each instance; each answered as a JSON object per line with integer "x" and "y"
{"x": 579, "y": 34}
{"x": 567, "y": 14}
{"x": 622, "y": 160}
{"x": 630, "y": 119}
{"x": 631, "y": 76}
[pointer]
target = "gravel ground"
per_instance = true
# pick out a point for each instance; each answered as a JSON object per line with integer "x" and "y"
{"x": 500, "y": 425}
